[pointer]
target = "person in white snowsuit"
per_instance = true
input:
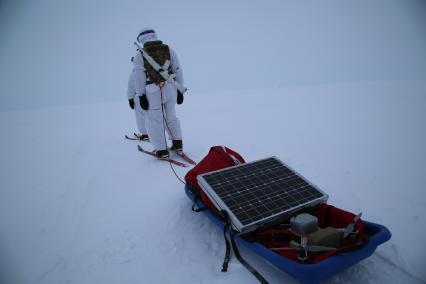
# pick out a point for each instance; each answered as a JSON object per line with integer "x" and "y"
{"x": 157, "y": 95}
{"x": 134, "y": 103}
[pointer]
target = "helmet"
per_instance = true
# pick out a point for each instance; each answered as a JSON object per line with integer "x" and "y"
{"x": 145, "y": 35}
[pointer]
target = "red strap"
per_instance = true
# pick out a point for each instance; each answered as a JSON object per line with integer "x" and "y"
{"x": 233, "y": 158}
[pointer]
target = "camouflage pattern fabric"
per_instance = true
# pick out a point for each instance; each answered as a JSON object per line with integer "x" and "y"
{"x": 160, "y": 53}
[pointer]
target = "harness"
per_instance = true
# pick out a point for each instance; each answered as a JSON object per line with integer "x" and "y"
{"x": 164, "y": 71}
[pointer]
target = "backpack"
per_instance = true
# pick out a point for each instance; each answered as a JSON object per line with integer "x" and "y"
{"x": 160, "y": 53}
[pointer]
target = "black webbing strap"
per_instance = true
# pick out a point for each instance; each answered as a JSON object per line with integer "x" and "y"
{"x": 195, "y": 204}
{"x": 236, "y": 252}
{"x": 328, "y": 215}
{"x": 228, "y": 247}
{"x": 245, "y": 263}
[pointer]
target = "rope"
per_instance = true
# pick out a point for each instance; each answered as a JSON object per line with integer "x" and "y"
{"x": 164, "y": 130}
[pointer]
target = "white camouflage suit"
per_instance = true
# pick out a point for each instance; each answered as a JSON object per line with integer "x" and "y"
{"x": 131, "y": 94}
{"x": 160, "y": 100}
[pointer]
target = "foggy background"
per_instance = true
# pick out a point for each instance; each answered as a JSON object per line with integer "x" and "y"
{"x": 74, "y": 52}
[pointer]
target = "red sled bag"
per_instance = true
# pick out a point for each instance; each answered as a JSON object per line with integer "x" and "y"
{"x": 219, "y": 157}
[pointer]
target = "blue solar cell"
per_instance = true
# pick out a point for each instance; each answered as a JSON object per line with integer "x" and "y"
{"x": 259, "y": 192}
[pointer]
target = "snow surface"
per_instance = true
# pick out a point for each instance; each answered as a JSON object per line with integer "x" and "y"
{"x": 79, "y": 203}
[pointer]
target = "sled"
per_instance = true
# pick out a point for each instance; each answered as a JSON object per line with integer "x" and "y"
{"x": 308, "y": 273}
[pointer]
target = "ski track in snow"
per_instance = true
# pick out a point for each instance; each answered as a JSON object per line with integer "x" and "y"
{"x": 86, "y": 207}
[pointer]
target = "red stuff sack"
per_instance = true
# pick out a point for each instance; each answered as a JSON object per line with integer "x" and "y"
{"x": 219, "y": 157}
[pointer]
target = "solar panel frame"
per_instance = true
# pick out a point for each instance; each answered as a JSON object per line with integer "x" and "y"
{"x": 235, "y": 221}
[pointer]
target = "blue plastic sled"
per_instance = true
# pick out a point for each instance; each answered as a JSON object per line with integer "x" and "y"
{"x": 310, "y": 273}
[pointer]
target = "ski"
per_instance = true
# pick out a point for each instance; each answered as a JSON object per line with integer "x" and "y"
{"x": 131, "y": 138}
{"x": 135, "y": 137}
{"x": 177, "y": 163}
{"x": 179, "y": 153}
{"x": 185, "y": 157}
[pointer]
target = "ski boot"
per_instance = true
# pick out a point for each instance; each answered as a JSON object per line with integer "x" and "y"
{"x": 162, "y": 154}
{"x": 142, "y": 137}
{"x": 177, "y": 146}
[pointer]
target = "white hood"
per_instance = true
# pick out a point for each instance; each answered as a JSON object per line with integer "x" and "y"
{"x": 145, "y": 35}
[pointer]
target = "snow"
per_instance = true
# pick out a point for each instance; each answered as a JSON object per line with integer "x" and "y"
{"x": 336, "y": 89}
{"x": 79, "y": 203}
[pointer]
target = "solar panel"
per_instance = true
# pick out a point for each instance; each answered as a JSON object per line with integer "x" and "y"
{"x": 259, "y": 192}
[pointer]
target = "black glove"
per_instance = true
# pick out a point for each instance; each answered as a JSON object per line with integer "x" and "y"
{"x": 179, "y": 97}
{"x": 144, "y": 102}
{"x": 132, "y": 104}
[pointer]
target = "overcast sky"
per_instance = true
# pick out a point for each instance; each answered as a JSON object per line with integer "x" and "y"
{"x": 69, "y": 52}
